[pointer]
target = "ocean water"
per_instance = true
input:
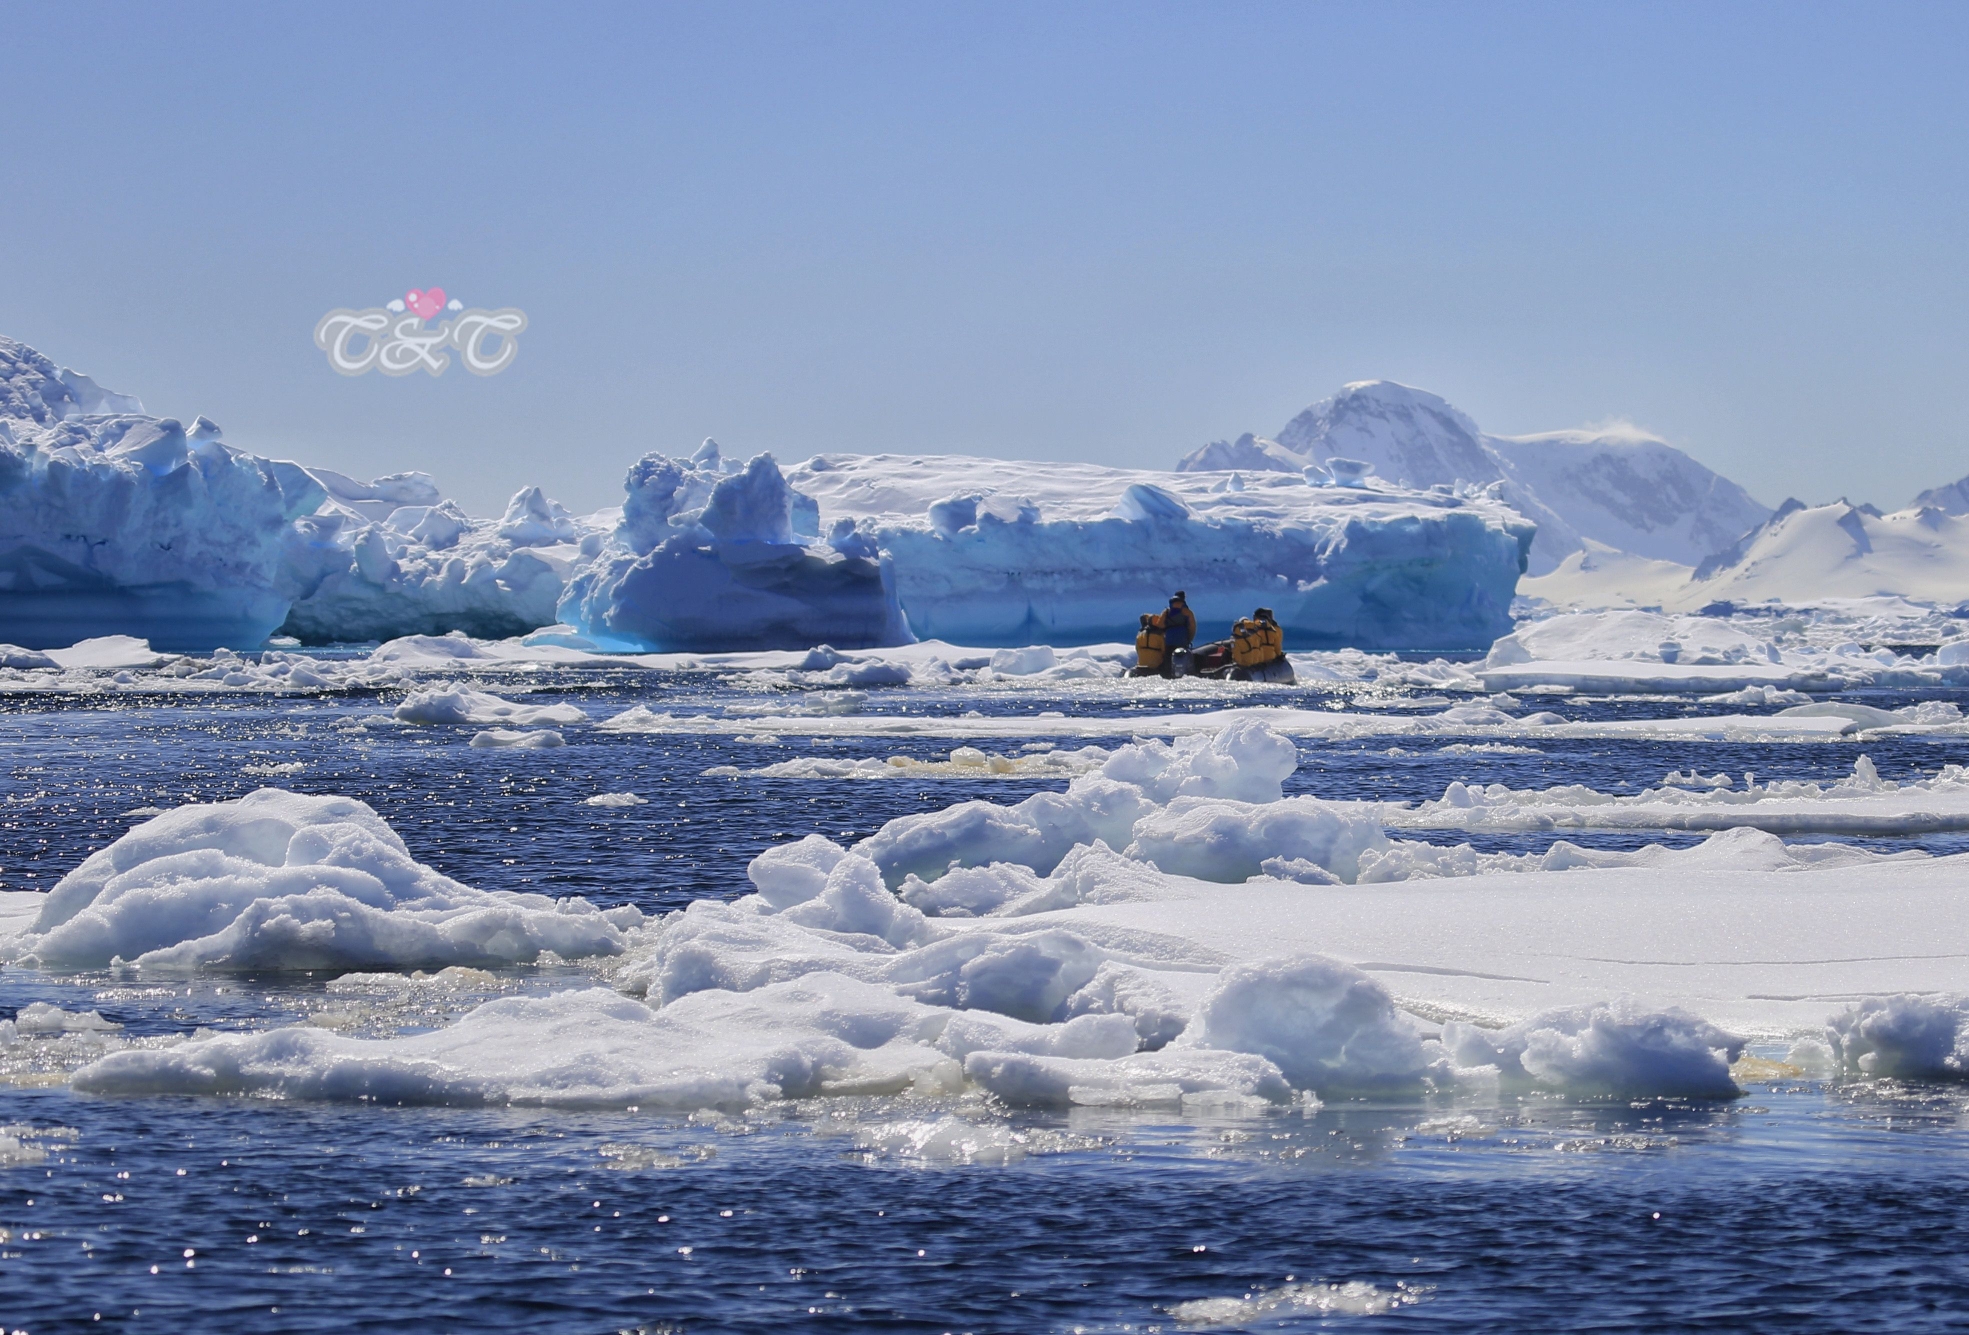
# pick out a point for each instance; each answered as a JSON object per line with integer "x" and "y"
{"x": 1804, "y": 1206}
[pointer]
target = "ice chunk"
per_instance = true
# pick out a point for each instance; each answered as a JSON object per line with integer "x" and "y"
{"x": 1214, "y": 839}
{"x": 1611, "y": 1049}
{"x": 1327, "y": 1026}
{"x": 791, "y": 874}
{"x": 461, "y": 704}
{"x": 508, "y": 739}
{"x": 1904, "y": 1037}
{"x": 278, "y": 880}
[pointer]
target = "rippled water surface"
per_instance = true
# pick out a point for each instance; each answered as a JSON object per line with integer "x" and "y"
{"x": 1800, "y": 1207}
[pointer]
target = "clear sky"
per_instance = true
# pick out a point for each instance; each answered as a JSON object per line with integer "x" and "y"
{"x": 1076, "y": 230}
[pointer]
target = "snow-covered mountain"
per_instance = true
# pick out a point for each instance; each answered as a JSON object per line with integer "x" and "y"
{"x": 1805, "y": 553}
{"x": 1951, "y": 499}
{"x": 1623, "y": 490}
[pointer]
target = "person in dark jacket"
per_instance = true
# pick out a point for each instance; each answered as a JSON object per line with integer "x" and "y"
{"x": 1179, "y": 624}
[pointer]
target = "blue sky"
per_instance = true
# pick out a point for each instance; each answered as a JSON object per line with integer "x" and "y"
{"x": 1078, "y": 231}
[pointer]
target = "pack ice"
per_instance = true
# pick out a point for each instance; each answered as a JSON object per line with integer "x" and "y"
{"x": 1012, "y": 950}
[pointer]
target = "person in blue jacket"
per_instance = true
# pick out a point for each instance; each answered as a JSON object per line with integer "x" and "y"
{"x": 1179, "y": 624}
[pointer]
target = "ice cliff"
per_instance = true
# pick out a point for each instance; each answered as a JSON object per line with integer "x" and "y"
{"x": 1001, "y": 552}
{"x": 1620, "y": 489}
{"x": 713, "y": 555}
{"x": 116, "y": 522}
{"x": 112, "y": 521}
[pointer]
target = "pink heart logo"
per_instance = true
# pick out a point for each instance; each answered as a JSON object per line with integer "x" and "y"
{"x": 424, "y": 304}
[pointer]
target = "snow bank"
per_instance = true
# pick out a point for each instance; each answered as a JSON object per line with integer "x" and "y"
{"x": 999, "y": 552}
{"x": 278, "y": 880}
{"x": 711, "y": 556}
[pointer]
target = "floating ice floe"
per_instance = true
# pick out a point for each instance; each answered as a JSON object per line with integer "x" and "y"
{"x": 510, "y": 740}
{"x": 1749, "y": 656}
{"x": 278, "y": 880}
{"x": 1863, "y": 803}
{"x": 965, "y": 762}
{"x": 461, "y": 704}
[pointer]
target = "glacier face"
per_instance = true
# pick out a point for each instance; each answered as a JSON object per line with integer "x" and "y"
{"x": 1007, "y": 552}
{"x": 116, "y": 522}
{"x": 1620, "y": 489}
{"x": 112, "y": 521}
{"x": 388, "y": 558}
{"x": 712, "y": 555}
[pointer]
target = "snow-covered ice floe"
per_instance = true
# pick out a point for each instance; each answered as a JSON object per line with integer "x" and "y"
{"x": 450, "y": 703}
{"x": 1863, "y": 803}
{"x": 1473, "y": 720}
{"x": 1243, "y": 951}
{"x": 278, "y": 880}
{"x": 1752, "y": 656}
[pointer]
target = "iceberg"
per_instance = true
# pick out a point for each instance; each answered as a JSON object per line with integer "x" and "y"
{"x": 279, "y": 880}
{"x": 711, "y": 555}
{"x": 116, "y": 522}
{"x": 392, "y": 558}
{"x": 996, "y": 552}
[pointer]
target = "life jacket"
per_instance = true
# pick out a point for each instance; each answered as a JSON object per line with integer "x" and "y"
{"x": 1151, "y": 642}
{"x": 1255, "y": 643}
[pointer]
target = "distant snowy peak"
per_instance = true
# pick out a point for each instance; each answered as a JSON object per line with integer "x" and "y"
{"x": 1952, "y": 499}
{"x": 1807, "y": 552}
{"x": 1624, "y": 490}
{"x": 1412, "y": 437}
{"x": 1248, "y": 452}
{"x": 1630, "y": 491}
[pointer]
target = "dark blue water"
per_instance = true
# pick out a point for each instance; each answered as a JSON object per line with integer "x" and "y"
{"x": 1804, "y": 1207}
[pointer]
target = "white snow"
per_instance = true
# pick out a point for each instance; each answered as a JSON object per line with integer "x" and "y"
{"x": 278, "y": 880}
